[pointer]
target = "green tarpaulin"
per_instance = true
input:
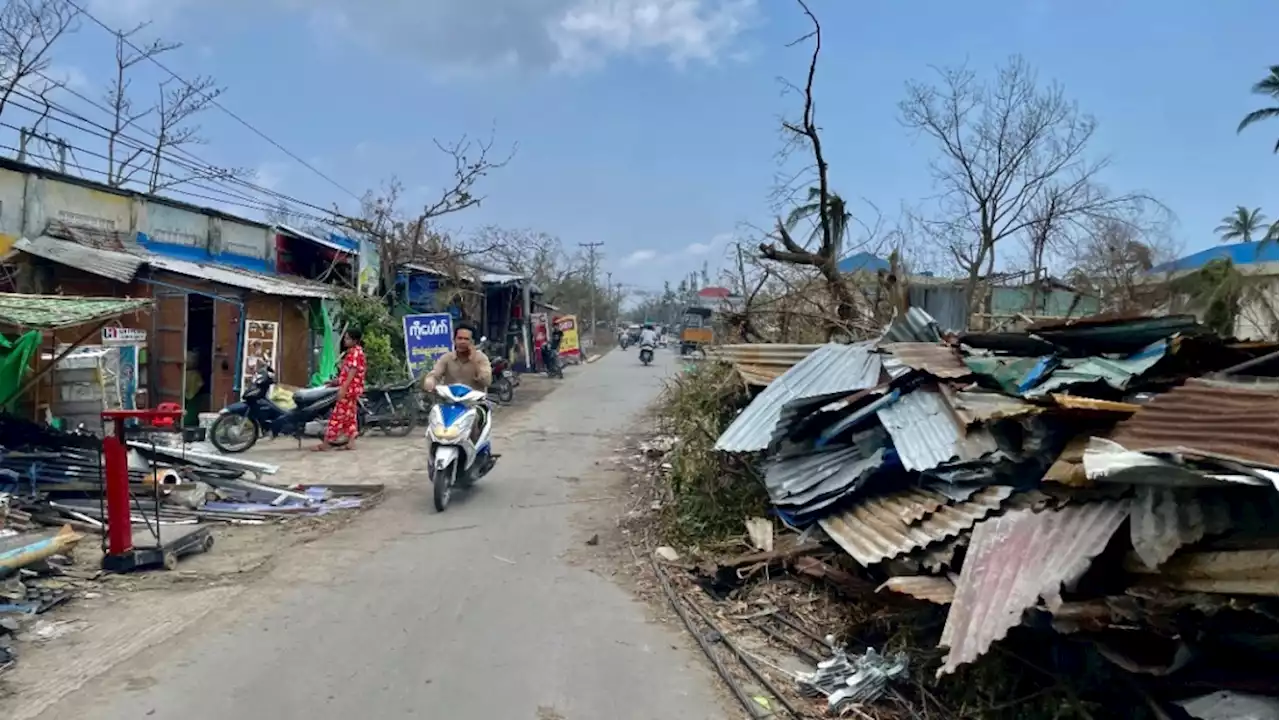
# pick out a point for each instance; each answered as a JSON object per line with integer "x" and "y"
{"x": 328, "y": 363}
{"x": 15, "y": 359}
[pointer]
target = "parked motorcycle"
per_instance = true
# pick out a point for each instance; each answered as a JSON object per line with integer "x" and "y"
{"x": 551, "y": 361}
{"x": 241, "y": 423}
{"x": 393, "y": 409}
{"x": 458, "y": 442}
{"x": 504, "y": 380}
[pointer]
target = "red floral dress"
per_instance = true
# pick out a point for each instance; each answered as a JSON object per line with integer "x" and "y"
{"x": 342, "y": 421}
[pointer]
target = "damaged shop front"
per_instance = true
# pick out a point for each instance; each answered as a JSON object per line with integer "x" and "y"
{"x": 1113, "y": 480}
{"x": 209, "y": 327}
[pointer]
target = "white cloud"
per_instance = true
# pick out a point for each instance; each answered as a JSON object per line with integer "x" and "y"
{"x": 698, "y": 248}
{"x": 460, "y": 38}
{"x": 638, "y": 257}
{"x": 703, "y": 248}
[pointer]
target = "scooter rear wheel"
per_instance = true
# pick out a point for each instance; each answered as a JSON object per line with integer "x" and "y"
{"x": 233, "y": 433}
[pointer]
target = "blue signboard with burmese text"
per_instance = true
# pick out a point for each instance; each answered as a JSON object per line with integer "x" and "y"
{"x": 426, "y": 338}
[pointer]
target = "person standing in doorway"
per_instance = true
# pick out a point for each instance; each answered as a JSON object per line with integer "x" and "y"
{"x": 343, "y": 425}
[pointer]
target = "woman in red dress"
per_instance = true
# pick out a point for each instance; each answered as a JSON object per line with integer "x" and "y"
{"x": 343, "y": 427}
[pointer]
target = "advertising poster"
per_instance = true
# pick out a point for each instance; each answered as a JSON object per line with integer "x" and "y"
{"x": 128, "y": 343}
{"x": 261, "y": 339}
{"x": 426, "y": 337}
{"x": 569, "y": 348}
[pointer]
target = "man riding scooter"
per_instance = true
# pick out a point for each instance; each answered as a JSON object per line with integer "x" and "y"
{"x": 648, "y": 342}
{"x": 466, "y": 365}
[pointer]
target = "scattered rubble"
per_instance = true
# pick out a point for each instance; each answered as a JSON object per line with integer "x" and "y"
{"x": 1112, "y": 479}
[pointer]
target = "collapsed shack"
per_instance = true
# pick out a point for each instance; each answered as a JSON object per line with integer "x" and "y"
{"x": 1108, "y": 483}
{"x": 52, "y": 498}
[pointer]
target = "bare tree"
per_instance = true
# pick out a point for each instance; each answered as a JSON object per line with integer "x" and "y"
{"x": 830, "y": 210}
{"x": 1113, "y": 263}
{"x": 1013, "y": 162}
{"x": 125, "y": 160}
{"x": 28, "y": 29}
{"x": 178, "y": 104}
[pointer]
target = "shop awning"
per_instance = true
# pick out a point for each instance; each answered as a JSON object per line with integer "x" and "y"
{"x": 279, "y": 285}
{"x": 349, "y": 247}
{"x": 110, "y": 264}
{"x": 50, "y": 312}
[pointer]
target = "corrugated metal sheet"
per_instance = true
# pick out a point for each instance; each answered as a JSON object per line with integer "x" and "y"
{"x": 1015, "y": 559}
{"x": 934, "y": 589}
{"x": 1227, "y": 419}
{"x": 761, "y": 363}
{"x": 797, "y": 483}
{"x": 829, "y": 370}
{"x": 1164, "y": 519}
{"x": 266, "y": 284}
{"x": 933, "y": 558}
{"x": 927, "y": 433}
{"x": 1117, "y": 373}
{"x": 55, "y": 311}
{"x": 323, "y": 242}
{"x": 946, "y": 303}
{"x": 938, "y": 360}
{"x": 886, "y": 527}
{"x": 981, "y": 406}
{"x": 113, "y": 265}
{"x": 915, "y": 326}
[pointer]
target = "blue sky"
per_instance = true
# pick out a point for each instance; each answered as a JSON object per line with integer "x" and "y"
{"x": 652, "y": 125}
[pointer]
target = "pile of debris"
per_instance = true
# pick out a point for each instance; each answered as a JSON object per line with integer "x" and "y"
{"x": 1111, "y": 478}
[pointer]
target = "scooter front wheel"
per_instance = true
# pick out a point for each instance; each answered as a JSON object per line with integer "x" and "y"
{"x": 442, "y": 486}
{"x": 233, "y": 433}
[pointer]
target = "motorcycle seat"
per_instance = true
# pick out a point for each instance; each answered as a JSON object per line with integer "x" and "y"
{"x": 310, "y": 395}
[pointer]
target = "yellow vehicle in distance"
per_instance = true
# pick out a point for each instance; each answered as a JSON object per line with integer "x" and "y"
{"x": 695, "y": 329}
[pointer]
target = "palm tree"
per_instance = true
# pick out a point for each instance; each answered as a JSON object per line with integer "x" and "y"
{"x": 1269, "y": 86}
{"x": 1242, "y": 225}
{"x": 837, "y": 215}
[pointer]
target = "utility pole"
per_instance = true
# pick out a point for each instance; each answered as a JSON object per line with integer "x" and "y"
{"x": 591, "y": 268}
{"x": 608, "y": 295}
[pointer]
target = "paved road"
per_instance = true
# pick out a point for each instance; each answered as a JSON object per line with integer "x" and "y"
{"x": 473, "y": 614}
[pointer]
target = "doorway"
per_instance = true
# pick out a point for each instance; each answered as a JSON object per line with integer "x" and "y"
{"x": 198, "y": 363}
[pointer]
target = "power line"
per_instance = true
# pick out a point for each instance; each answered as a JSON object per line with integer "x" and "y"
{"x": 212, "y": 101}
{"x": 197, "y": 165}
{"x": 591, "y": 264}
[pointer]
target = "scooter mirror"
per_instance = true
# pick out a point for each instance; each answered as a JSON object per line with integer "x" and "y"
{"x": 484, "y": 338}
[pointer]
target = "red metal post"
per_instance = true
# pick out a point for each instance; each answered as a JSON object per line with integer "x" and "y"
{"x": 115, "y": 469}
{"x": 115, "y": 461}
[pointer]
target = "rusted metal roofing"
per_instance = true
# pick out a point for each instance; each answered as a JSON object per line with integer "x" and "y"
{"x": 980, "y": 406}
{"x": 111, "y": 264}
{"x": 1015, "y": 559}
{"x": 831, "y": 369}
{"x": 244, "y": 279}
{"x": 936, "y": 359}
{"x": 1075, "y": 402}
{"x": 761, "y": 363}
{"x": 927, "y": 433}
{"x": 885, "y": 527}
{"x": 933, "y": 558}
{"x": 935, "y": 589}
{"x": 1232, "y": 420}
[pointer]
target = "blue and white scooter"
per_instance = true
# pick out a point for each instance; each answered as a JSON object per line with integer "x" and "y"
{"x": 459, "y": 455}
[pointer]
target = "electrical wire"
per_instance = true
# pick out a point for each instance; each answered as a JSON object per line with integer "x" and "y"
{"x": 212, "y": 101}
{"x": 195, "y": 164}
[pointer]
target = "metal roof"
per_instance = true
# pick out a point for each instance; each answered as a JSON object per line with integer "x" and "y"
{"x": 1015, "y": 559}
{"x": 761, "y": 363}
{"x": 915, "y": 326}
{"x": 1163, "y": 519}
{"x": 244, "y": 279}
{"x": 1227, "y": 419}
{"x": 927, "y": 433}
{"x": 323, "y": 242}
{"x": 980, "y": 406}
{"x": 56, "y": 311}
{"x": 111, "y": 264}
{"x": 938, "y": 360}
{"x": 935, "y": 589}
{"x": 1230, "y": 705}
{"x": 801, "y": 484}
{"x": 885, "y": 527}
{"x": 1231, "y": 572}
{"x": 831, "y": 369}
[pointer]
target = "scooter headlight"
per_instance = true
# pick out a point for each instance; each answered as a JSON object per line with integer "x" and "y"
{"x": 441, "y": 431}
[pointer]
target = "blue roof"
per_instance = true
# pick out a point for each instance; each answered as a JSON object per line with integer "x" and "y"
{"x": 862, "y": 261}
{"x": 1247, "y": 253}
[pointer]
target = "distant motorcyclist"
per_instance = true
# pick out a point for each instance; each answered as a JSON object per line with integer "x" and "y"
{"x": 648, "y": 336}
